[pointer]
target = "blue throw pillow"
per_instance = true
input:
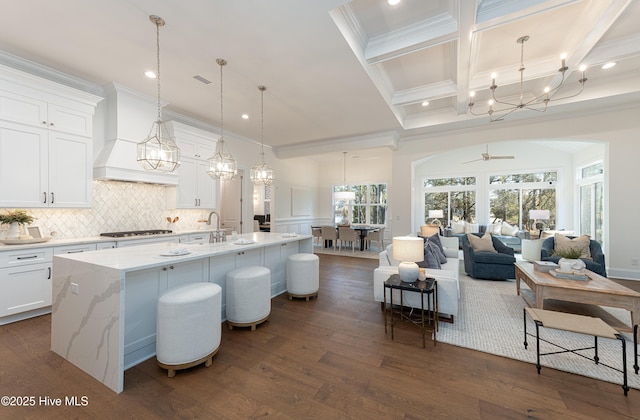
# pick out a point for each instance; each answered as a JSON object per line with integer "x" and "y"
{"x": 437, "y": 252}
{"x": 430, "y": 260}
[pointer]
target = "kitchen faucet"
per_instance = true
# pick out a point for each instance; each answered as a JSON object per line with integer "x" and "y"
{"x": 219, "y": 235}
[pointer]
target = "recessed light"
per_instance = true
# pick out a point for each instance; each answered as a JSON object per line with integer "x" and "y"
{"x": 245, "y": 116}
{"x": 393, "y": 2}
{"x": 425, "y": 103}
{"x": 150, "y": 74}
{"x": 608, "y": 65}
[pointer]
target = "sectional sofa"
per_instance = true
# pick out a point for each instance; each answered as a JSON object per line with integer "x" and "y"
{"x": 447, "y": 276}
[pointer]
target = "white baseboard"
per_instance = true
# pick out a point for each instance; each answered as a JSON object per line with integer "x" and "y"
{"x": 623, "y": 273}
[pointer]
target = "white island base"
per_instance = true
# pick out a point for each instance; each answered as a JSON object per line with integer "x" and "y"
{"x": 104, "y": 302}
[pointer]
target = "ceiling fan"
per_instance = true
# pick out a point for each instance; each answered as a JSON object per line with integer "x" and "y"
{"x": 487, "y": 156}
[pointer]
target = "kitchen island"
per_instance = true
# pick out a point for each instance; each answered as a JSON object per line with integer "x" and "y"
{"x": 104, "y": 302}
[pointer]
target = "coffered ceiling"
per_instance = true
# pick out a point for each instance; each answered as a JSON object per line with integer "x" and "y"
{"x": 340, "y": 75}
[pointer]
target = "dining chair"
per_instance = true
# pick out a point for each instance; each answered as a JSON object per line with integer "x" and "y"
{"x": 346, "y": 234}
{"x": 378, "y": 236}
{"x": 329, "y": 233}
{"x": 317, "y": 233}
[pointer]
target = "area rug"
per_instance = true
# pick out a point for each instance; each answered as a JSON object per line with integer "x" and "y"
{"x": 490, "y": 319}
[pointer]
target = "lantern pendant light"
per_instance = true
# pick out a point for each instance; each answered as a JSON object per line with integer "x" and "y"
{"x": 158, "y": 152}
{"x": 261, "y": 172}
{"x": 222, "y": 165}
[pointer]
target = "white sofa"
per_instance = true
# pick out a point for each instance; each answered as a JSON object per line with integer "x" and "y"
{"x": 447, "y": 277}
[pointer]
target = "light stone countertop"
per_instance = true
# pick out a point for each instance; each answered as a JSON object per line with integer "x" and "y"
{"x": 92, "y": 239}
{"x": 149, "y": 256}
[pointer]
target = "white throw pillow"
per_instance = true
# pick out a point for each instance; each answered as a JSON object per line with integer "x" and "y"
{"x": 494, "y": 228}
{"x": 471, "y": 228}
{"x": 457, "y": 227}
{"x": 508, "y": 230}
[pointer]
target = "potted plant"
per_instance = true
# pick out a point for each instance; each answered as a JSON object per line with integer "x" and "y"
{"x": 14, "y": 219}
{"x": 570, "y": 261}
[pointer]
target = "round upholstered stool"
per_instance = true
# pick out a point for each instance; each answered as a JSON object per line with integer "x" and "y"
{"x": 188, "y": 326}
{"x": 248, "y": 293}
{"x": 303, "y": 275}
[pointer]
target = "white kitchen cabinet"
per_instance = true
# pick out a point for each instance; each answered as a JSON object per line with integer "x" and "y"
{"x": 275, "y": 259}
{"x": 141, "y": 299}
{"x": 35, "y": 111}
{"x": 41, "y": 168}
{"x": 74, "y": 249}
{"x": 25, "y": 282}
{"x": 46, "y": 147}
{"x": 195, "y": 189}
{"x": 24, "y": 289}
{"x": 106, "y": 245}
{"x": 148, "y": 240}
{"x": 198, "y": 237}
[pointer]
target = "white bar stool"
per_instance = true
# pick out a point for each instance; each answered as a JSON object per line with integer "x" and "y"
{"x": 303, "y": 276}
{"x": 248, "y": 296}
{"x": 188, "y": 326}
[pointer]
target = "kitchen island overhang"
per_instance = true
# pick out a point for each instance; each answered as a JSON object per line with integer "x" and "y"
{"x": 104, "y": 302}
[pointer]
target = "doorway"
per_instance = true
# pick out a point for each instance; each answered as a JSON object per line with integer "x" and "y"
{"x": 231, "y": 199}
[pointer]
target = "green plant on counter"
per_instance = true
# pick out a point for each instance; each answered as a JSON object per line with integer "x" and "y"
{"x": 569, "y": 253}
{"x": 16, "y": 216}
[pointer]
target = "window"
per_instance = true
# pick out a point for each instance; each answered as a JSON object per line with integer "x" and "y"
{"x": 369, "y": 206}
{"x": 456, "y": 197}
{"x": 590, "y": 184}
{"x": 512, "y": 196}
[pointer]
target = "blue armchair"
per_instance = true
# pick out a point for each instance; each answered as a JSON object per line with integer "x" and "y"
{"x": 596, "y": 264}
{"x": 489, "y": 265}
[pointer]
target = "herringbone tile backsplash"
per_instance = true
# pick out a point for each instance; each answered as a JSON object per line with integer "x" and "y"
{"x": 117, "y": 206}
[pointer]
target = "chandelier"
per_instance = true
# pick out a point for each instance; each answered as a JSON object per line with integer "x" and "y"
{"x": 222, "y": 165}
{"x": 346, "y": 194}
{"x": 158, "y": 152}
{"x": 261, "y": 173}
{"x": 538, "y": 103}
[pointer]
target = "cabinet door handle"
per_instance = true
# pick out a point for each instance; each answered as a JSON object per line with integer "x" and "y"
{"x": 27, "y": 258}
{"x": 44, "y": 123}
{"x": 171, "y": 267}
{"x": 164, "y": 268}
{"x": 75, "y": 252}
{"x": 49, "y": 276}
{"x": 51, "y": 124}
{"x": 52, "y": 198}
{"x": 45, "y": 197}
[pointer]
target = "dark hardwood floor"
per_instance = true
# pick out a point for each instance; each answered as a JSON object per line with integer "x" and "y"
{"x": 327, "y": 359}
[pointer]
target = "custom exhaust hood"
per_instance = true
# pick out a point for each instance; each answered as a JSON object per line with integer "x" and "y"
{"x": 128, "y": 117}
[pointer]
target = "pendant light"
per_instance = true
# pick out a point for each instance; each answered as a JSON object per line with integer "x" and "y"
{"x": 158, "y": 152}
{"x": 222, "y": 165}
{"x": 261, "y": 172}
{"x": 346, "y": 194}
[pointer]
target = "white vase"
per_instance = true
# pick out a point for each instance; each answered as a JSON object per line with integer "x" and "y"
{"x": 570, "y": 265}
{"x": 14, "y": 231}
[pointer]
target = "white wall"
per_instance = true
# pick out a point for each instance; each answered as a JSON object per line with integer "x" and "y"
{"x": 529, "y": 157}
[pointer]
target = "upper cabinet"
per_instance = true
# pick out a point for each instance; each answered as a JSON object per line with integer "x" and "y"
{"x": 45, "y": 142}
{"x": 195, "y": 189}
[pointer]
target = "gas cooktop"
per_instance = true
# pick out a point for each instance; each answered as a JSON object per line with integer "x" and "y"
{"x": 136, "y": 233}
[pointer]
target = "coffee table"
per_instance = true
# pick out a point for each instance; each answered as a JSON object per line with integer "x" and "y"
{"x": 597, "y": 290}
